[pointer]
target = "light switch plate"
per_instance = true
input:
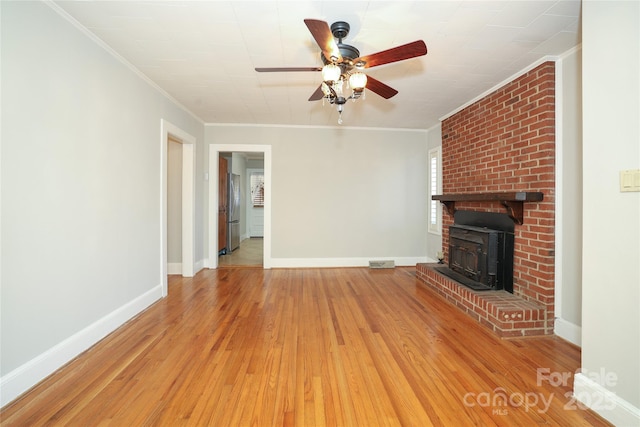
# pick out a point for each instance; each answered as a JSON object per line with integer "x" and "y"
{"x": 630, "y": 180}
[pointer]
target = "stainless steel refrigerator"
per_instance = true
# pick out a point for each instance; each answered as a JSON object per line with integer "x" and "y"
{"x": 233, "y": 216}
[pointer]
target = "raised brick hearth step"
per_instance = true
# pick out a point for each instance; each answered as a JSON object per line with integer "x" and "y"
{"x": 508, "y": 315}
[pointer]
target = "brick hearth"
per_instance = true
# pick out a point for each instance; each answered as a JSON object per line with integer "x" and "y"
{"x": 506, "y": 314}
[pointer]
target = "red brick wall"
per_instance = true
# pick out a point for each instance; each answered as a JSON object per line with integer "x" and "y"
{"x": 506, "y": 142}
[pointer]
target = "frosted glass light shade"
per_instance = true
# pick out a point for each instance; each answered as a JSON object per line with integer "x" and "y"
{"x": 358, "y": 81}
{"x": 331, "y": 73}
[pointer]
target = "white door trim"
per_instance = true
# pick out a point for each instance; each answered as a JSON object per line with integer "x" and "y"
{"x": 188, "y": 200}
{"x": 214, "y": 155}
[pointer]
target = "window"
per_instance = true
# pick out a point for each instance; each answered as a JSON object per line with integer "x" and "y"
{"x": 435, "y": 185}
{"x": 257, "y": 189}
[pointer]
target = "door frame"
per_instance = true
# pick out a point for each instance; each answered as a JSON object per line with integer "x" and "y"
{"x": 188, "y": 143}
{"x": 214, "y": 155}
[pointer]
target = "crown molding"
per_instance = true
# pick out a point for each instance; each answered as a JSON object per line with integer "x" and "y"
{"x": 64, "y": 14}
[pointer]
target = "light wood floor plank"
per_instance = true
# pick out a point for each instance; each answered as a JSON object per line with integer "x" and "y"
{"x": 305, "y": 347}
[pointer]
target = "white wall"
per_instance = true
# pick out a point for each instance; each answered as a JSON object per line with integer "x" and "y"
{"x": 81, "y": 183}
{"x": 611, "y": 247}
{"x": 341, "y": 196}
{"x": 569, "y": 172}
{"x": 174, "y": 205}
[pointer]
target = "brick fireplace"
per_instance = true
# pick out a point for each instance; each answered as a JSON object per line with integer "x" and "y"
{"x": 505, "y": 143}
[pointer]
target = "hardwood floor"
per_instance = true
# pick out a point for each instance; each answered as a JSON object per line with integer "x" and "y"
{"x": 249, "y": 254}
{"x": 304, "y": 347}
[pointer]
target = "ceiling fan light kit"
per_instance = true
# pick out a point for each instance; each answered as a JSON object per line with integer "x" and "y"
{"x": 343, "y": 63}
{"x": 331, "y": 73}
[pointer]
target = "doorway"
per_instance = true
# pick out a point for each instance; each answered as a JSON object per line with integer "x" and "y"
{"x": 214, "y": 156}
{"x": 255, "y": 202}
{"x": 168, "y": 132}
{"x": 248, "y": 254}
{"x": 174, "y": 206}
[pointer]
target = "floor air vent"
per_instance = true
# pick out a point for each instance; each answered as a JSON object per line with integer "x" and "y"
{"x": 382, "y": 264}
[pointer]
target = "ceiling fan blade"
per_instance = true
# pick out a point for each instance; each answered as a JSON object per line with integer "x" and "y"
{"x": 380, "y": 88}
{"x": 324, "y": 37}
{"x": 399, "y": 53}
{"x": 317, "y": 95}
{"x": 279, "y": 69}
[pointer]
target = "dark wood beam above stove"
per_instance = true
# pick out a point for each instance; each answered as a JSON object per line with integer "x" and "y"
{"x": 513, "y": 202}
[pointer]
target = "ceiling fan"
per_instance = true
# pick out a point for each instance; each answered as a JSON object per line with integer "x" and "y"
{"x": 343, "y": 63}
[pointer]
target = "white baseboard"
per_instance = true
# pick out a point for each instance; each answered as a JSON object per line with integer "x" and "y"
{"x": 568, "y": 331}
{"x": 604, "y": 402}
{"x": 174, "y": 268}
{"x": 341, "y": 262}
{"x": 21, "y": 379}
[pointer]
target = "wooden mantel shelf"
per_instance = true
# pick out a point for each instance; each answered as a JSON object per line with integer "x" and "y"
{"x": 513, "y": 202}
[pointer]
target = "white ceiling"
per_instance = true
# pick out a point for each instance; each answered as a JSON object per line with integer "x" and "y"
{"x": 203, "y": 53}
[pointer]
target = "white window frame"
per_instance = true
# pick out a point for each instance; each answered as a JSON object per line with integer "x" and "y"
{"x": 435, "y": 187}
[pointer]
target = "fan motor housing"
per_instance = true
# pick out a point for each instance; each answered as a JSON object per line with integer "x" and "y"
{"x": 349, "y": 53}
{"x": 340, "y": 30}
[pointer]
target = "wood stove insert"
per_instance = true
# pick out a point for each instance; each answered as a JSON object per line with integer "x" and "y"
{"x": 481, "y": 251}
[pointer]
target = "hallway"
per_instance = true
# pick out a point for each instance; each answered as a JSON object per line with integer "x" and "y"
{"x": 249, "y": 254}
